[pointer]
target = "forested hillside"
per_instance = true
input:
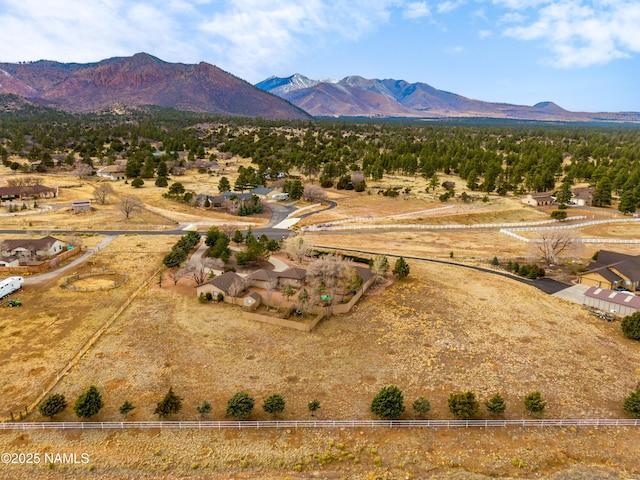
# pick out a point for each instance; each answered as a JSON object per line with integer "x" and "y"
{"x": 491, "y": 157}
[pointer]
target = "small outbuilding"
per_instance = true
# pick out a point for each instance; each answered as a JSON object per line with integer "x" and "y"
{"x": 612, "y": 301}
{"x": 251, "y": 301}
{"x": 79, "y": 206}
{"x": 538, "y": 199}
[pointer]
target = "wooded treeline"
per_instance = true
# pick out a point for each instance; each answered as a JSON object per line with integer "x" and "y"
{"x": 490, "y": 156}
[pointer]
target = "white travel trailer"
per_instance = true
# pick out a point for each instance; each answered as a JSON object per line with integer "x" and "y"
{"x": 10, "y": 285}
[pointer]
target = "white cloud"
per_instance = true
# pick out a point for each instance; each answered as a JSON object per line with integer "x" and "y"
{"x": 485, "y": 34}
{"x": 580, "y": 33}
{"x": 253, "y": 34}
{"x": 450, "y": 5}
{"x": 416, "y": 10}
{"x": 454, "y": 50}
{"x": 83, "y": 31}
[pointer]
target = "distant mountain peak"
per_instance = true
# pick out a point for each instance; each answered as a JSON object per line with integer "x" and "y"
{"x": 283, "y": 85}
{"x": 551, "y": 106}
{"x": 355, "y": 95}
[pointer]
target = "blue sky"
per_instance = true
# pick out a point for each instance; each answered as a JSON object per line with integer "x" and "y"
{"x": 582, "y": 54}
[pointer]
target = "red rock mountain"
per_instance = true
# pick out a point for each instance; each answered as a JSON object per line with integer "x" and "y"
{"x": 141, "y": 80}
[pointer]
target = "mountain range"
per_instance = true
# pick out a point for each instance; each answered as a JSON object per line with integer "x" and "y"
{"x": 141, "y": 80}
{"x": 146, "y": 80}
{"x": 356, "y": 96}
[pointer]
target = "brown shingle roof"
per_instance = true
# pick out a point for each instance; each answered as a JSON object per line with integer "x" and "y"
{"x": 294, "y": 273}
{"x": 628, "y": 265}
{"x": 225, "y": 281}
{"x": 29, "y": 244}
{"x": 263, "y": 275}
{"x": 24, "y": 190}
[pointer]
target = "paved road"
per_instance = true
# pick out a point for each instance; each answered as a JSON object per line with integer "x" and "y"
{"x": 329, "y": 207}
{"x": 279, "y": 213}
{"x": 547, "y": 285}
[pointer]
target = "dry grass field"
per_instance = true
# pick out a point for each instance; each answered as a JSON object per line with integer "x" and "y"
{"x": 442, "y": 330}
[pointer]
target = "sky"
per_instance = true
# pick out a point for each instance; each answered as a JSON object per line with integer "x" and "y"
{"x": 583, "y": 55}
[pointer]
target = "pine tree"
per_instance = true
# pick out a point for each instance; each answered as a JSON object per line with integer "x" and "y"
{"x": 401, "y": 268}
{"x": 240, "y": 405}
{"x": 422, "y": 406}
{"x": 224, "y": 185}
{"x": 170, "y": 404}
{"x": 125, "y": 408}
{"x": 274, "y": 404}
{"x": 388, "y": 403}
{"x": 88, "y": 403}
{"x": 631, "y": 403}
{"x": 496, "y": 404}
{"x": 464, "y": 405}
{"x": 238, "y": 238}
{"x": 162, "y": 171}
{"x": 204, "y": 408}
{"x": 52, "y": 405}
{"x": 534, "y": 403}
{"x": 313, "y": 406}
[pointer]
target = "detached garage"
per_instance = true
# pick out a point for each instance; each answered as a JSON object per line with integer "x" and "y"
{"x": 612, "y": 301}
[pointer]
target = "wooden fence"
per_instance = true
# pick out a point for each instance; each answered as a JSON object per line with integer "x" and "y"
{"x": 44, "y": 266}
{"x": 85, "y": 348}
{"x": 277, "y": 424}
{"x": 67, "y": 283}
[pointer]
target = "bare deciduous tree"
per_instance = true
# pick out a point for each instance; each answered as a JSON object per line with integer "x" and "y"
{"x": 313, "y": 193}
{"x": 102, "y": 192}
{"x": 297, "y": 248}
{"x": 128, "y": 205}
{"x": 74, "y": 240}
{"x": 83, "y": 170}
{"x": 176, "y": 274}
{"x": 198, "y": 270}
{"x": 25, "y": 181}
{"x": 236, "y": 288}
{"x": 380, "y": 267}
{"x": 552, "y": 242}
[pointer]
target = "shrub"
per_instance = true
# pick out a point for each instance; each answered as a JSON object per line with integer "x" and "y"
{"x": 421, "y": 405}
{"x": 137, "y": 182}
{"x": 496, "y": 404}
{"x": 274, "y": 404}
{"x": 464, "y": 405}
{"x": 240, "y": 405}
{"x": 170, "y": 404}
{"x": 52, "y": 405}
{"x": 631, "y": 326}
{"x": 88, "y": 403}
{"x": 388, "y": 403}
{"x": 559, "y": 215}
{"x": 204, "y": 408}
{"x": 161, "y": 182}
{"x": 534, "y": 403}
{"x": 631, "y": 403}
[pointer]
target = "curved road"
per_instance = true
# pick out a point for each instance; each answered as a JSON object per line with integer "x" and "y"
{"x": 547, "y": 285}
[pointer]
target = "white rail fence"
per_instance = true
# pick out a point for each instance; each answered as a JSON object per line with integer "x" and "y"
{"x": 421, "y": 226}
{"x": 387, "y": 217}
{"x": 576, "y": 225}
{"x": 303, "y": 209}
{"x": 277, "y": 424}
